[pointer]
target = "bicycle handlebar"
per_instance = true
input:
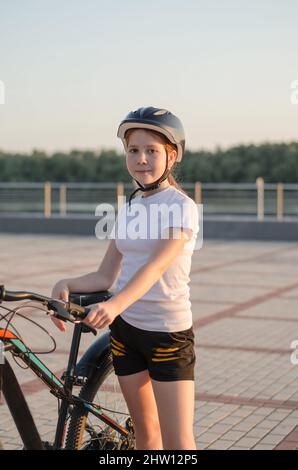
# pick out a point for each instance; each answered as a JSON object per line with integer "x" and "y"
{"x": 63, "y": 310}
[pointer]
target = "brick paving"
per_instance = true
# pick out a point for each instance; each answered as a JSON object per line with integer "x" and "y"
{"x": 245, "y": 307}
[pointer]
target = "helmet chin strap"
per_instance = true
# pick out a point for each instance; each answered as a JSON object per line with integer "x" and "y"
{"x": 151, "y": 186}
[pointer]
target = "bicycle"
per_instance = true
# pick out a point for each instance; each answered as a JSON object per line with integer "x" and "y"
{"x": 94, "y": 374}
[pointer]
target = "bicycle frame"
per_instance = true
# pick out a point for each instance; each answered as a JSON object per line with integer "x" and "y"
{"x": 58, "y": 388}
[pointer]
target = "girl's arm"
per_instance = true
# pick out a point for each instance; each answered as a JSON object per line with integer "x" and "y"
{"x": 104, "y": 313}
{"x": 103, "y": 278}
{"x": 142, "y": 281}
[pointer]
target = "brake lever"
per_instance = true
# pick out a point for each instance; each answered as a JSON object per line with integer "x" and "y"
{"x": 62, "y": 313}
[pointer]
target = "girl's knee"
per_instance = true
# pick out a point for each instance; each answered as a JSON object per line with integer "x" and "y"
{"x": 148, "y": 436}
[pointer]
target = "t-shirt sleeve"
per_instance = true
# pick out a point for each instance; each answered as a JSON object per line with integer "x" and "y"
{"x": 183, "y": 215}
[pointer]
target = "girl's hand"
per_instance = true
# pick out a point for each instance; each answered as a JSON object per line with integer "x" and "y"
{"x": 102, "y": 314}
{"x": 60, "y": 292}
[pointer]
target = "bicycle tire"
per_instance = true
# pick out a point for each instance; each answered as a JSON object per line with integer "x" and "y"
{"x": 79, "y": 417}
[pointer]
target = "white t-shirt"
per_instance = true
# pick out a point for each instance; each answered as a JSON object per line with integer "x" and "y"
{"x": 137, "y": 231}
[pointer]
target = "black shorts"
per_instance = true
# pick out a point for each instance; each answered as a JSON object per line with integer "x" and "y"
{"x": 167, "y": 356}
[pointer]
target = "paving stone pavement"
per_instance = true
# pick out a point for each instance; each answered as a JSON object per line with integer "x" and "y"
{"x": 245, "y": 308}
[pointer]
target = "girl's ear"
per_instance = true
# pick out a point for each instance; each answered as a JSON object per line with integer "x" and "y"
{"x": 172, "y": 157}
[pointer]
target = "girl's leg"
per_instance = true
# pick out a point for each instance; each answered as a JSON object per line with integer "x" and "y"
{"x": 175, "y": 403}
{"x": 139, "y": 396}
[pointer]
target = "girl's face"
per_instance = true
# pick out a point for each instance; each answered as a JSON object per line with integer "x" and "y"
{"x": 146, "y": 157}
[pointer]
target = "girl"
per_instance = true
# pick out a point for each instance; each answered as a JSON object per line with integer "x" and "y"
{"x": 149, "y": 316}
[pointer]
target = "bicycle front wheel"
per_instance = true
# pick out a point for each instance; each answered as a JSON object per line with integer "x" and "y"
{"x": 86, "y": 431}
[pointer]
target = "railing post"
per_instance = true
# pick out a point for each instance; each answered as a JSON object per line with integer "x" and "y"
{"x": 47, "y": 199}
{"x": 260, "y": 188}
{"x": 198, "y": 192}
{"x": 120, "y": 194}
{"x": 280, "y": 201}
{"x": 62, "y": 199}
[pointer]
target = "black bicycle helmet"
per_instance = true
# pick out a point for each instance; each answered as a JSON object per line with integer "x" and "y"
{"x": 159, "y": 120}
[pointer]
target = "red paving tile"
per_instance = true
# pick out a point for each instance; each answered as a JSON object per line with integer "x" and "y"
{"x": 229, "y": 258}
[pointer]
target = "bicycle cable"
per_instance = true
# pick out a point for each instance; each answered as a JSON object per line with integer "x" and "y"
{"x": 16, "y": 312}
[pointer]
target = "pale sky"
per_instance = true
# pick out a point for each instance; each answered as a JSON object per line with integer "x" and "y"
{"x": 73, "y": 69}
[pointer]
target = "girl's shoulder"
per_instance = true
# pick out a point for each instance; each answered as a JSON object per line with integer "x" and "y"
{"x": 175, "y": 195}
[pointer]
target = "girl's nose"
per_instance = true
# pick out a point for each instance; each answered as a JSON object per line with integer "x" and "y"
{"x": 142, "y": 157}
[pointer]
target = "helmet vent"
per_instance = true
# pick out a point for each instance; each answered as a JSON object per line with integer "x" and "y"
{"x": 160, "y": 112}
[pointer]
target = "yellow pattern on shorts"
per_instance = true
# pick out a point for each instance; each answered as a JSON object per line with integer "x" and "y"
{"x": 164, "y": 354}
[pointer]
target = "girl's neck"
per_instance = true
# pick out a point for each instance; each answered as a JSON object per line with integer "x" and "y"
{"x": 164, "y": 185}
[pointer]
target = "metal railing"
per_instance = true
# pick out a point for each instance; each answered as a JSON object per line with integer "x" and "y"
{"x": 219, "y": 199}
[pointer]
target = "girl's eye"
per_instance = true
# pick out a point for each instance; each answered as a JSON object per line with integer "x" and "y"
{"x": 149, "y": 150}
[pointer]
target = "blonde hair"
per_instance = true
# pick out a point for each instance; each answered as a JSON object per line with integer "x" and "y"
{"x": 169, "y": 147}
